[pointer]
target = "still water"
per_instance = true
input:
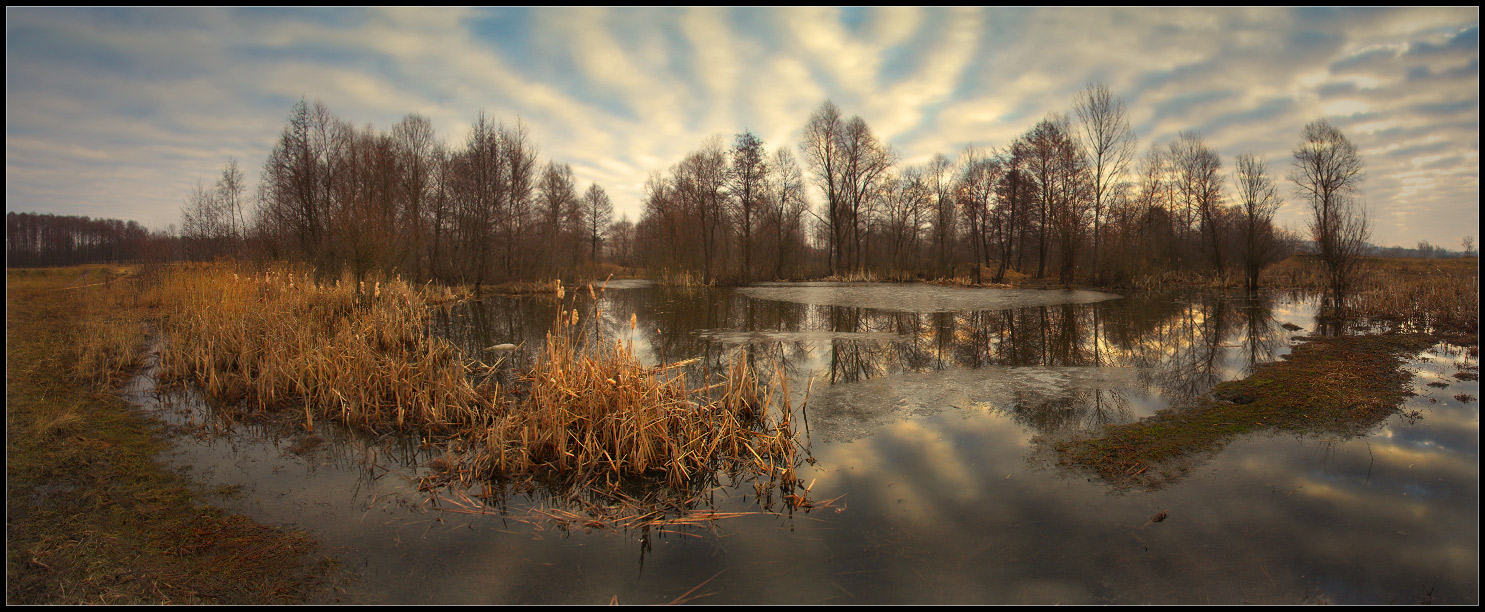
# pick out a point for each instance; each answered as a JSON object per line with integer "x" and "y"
{"x": 927, "y": 421}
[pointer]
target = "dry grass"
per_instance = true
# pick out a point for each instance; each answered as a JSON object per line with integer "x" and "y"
{"x": 591, "y": 408}
{"x": 92, "y": 515}
{"x": 683, "y": 279}
{"x": 587, "y": 410}
{"x": 1423, "y": 294}
{"x": 357, "y": 352}
{"x": 1437, "y": 295}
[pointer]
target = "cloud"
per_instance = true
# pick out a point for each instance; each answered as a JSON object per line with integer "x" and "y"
{"x": 168, "y": 95}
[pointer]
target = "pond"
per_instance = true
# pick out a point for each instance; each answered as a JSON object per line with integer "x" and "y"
{"x": 926, "y": 426}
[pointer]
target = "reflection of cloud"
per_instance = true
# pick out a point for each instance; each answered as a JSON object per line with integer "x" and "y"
{"x": 143, "y": 102}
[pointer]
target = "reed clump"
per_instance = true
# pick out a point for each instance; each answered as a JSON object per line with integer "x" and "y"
{"x": 360, "y": 353}
{"x": 592, "y": 409}
{"x": 355, "y": 351}
{"x": 684, "y": 279}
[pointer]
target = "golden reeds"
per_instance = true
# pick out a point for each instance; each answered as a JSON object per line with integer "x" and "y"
{"x": 354, "y": 351}
{"x": 593, "y": 409}
{"x": 360, "y": 353}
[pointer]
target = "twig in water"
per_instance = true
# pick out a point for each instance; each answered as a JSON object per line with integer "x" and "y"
{"x": 685, "y": 596}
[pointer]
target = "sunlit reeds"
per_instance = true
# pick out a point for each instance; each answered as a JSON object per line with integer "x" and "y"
{"x": 587, "y": 409}
{"x": 354, "y": 351}
{"x": 590, "y": 407}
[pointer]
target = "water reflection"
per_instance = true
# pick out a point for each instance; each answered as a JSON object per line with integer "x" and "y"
{"x": 923, "y": 421}
{"x": 1179, "y": 344}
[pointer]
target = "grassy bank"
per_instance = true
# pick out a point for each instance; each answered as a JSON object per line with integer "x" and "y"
{"x": 1339, "y": 386}
{"x": 92, "y": 516}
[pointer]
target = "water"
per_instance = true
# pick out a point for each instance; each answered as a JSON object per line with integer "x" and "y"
{"x": 925, "y": 422}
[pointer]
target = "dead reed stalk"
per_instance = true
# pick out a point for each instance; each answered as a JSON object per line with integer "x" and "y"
{"x": 592, "y": 408}
{"x": 360, "y": 353}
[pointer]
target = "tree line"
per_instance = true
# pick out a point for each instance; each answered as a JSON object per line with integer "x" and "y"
{"x": 401, "y": 201}
{"x": 1070, "y": 200}
{"x": 38, "y": 240}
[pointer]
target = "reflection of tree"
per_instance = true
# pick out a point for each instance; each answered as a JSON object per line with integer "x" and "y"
{"x": 913, "y": 354}
{"x": 1260, "y": 343}
{"x": 1078, "y": 408}
{"x": 851, "y": 360}
{"x": 1180, "y": 355}
{"x": 1176, "y": 342}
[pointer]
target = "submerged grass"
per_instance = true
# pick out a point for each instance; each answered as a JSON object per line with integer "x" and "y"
{"x": 91, "y": 516}
{"x": 1337, "y": 386}
{"x": 360, "y": 353}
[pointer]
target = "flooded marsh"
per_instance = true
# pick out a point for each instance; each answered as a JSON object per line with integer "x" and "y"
{"x": 927, "y": 422}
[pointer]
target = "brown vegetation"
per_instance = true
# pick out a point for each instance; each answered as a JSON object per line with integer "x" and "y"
{"x": 91, "y": 515}
{"x": 359, "y": 353}
{"x": 592, "y": 408}
{"x": 1436, "y": 295}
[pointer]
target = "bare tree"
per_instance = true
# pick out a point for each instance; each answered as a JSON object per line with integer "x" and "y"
{"x": 746, "y": 180}
{"x": 903, "y": 214}
{"x": 598, "y": 212}
{"x": 787, "y": 206}
{"x": 557, "y": 206}
{"x": 822, "y": 152}
{"x": 1071, "y": 202}
{"x": 976, "y": 193}
{"x": 1327, "y": 171}
{"x": 519, "y": 178}
{"x": 1109, "y": 143}
{"x": 701, "y": 183}
{"x": 866, "y": 163}
{"x": 1018, "y": 193}
{"x": 940, "y": 182}
{"x": 1048, "y": 147}
{"x": 414, "y": 146}
{"x": 1258, "y": 200}
{"x": 621, "y": 241}
{"x": 299, "y": 176}
{"x": 1196, "y": 167}
{"x": 230, "y": 190}
{"x": 204, "y": 224}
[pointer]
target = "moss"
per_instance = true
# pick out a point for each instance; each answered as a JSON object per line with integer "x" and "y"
{"x": 1338, "y": 386}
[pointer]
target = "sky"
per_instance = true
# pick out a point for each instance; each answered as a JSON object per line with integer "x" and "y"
{"x": 119, "y": 112}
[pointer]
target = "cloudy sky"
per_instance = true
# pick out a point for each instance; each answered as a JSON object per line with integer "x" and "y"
{"x": 118, "y": 112}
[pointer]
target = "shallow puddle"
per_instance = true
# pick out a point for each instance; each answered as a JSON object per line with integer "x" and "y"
{"x": 921, "y": 424}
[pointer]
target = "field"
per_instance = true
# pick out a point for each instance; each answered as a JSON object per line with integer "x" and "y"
{"x": 92, "y": 517}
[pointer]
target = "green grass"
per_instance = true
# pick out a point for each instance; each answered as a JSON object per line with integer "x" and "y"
{"x": 1336, "y": 386}
{"x": 92, "y": 516}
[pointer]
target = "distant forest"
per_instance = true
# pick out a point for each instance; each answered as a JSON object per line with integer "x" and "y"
{"x": 1072, "y": 199}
